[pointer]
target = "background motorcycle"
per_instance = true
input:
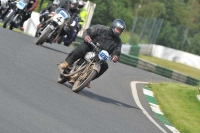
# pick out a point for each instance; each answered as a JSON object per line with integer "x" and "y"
{"x": 43, "y": 18}
{"x": 75, "y": 28}
{"x": 15, "y": 14}
{"x": 84, "y": 70}
{"x": 3, "y": 6}
{"x": 52, "y": 28}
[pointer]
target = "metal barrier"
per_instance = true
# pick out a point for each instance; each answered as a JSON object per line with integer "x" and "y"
{"x": 148, "y": 66}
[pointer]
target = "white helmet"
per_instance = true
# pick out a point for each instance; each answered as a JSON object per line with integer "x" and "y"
{"x": 4, "y": 3}
{"x": 56, "y": 2}
{"x": 81, "y": 4}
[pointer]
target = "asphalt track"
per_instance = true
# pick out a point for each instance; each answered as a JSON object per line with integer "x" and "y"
{"x": 31, "y": 100}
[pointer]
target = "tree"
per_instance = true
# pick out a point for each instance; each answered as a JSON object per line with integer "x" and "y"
{"x": 152, "y": 10}
{"x": 108, "y": 10}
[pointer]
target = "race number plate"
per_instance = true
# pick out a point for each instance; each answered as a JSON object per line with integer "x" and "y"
{"x": 63, "y": 14}
{"x": 21, "y": 5}
{"x": 103, "y": 55}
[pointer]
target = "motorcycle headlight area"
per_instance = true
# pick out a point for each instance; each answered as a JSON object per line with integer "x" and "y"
{"x": 89, "y": 56}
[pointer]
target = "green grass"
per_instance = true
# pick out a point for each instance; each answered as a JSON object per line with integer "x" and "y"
{"x": 17, "y": 30}
{"x": 179, "y": 105}
{"x": 178, "y": 101}
{"x": 193, "y": 72}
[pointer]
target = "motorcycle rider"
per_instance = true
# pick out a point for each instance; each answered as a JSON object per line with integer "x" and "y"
{"x": 108, "y": 38}
{"x": 74, "y": 30}
{"x": 71, "y": 6}
{"x": 30, "y": 7}
{"x": 83, "y": 13}
{"x": 51, "y": 8}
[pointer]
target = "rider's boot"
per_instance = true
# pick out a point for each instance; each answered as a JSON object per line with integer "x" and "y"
{"x": 62, "y": 66}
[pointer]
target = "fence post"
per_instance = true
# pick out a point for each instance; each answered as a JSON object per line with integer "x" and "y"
{"x": 133, "y": 28}
{"x": 141, "y": 34}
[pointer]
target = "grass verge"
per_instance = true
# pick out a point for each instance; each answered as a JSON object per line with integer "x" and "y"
{"x": 17, "y": 30}
{"x": 190, "y": 71}
{"x": 179, "y": 104}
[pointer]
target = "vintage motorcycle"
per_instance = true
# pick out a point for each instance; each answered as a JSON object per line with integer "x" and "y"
{"x": 84, "y": 70}
{"x": 54, "y": 26}
{"x": 15, "y": 14}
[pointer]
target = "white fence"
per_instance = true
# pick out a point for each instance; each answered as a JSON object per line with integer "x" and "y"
{"x": 167, "y": 54}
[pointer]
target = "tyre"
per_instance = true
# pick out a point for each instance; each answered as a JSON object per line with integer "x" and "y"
{"x": 79, "y": 85}
{"x": 43, "y": 36}
{"x": 36, "y": 33}
{"x": 8, "y": 19}
{"x": 11, "y": 26}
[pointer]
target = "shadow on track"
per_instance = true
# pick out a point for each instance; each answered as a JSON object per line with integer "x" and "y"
{"x": 96, "y": 97}
{"x": 54, "y": 50}
{"x": 104, "y": 99}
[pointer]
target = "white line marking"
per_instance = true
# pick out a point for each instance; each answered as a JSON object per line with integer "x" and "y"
{"x": 137, "y": 101}
{"x": 173, "y": 129}
{"x": 155, "y": 108}
{"x": 148, "y": 92}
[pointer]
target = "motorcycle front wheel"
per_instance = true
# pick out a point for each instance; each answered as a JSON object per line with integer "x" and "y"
{"x": 80, "y": 84}
{"x": 8, "y": 19}
{"x": 43, "y": 37}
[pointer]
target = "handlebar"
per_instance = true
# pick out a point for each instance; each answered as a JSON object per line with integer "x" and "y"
{"x": 96, "y": 47}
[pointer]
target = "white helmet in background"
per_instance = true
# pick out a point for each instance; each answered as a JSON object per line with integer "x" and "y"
{"x": 56, "y": 2}
{"x": 81, "y": 4}
{"x": 4, "y": 3}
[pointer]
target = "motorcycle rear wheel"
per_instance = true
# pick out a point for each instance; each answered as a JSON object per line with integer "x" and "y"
{"x": 43, "y": 37}
{"x": 78, "y": 85}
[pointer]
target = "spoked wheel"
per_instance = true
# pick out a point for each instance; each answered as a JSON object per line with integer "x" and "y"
{"x": 81, "y": 82}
